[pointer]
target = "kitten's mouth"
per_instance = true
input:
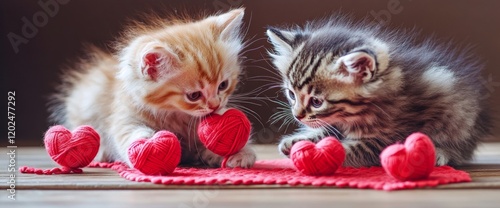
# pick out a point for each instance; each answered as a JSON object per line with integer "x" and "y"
{"x": 202, "y": 113}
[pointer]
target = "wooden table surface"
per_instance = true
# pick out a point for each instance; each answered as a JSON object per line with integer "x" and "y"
{"x": 104, "y": 188}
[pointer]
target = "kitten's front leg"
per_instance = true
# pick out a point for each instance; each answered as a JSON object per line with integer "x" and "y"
{"x": 363, "y": 152}
{"x": 245, "y": 158}
{"x": 441, "y": 157}
{"x": 209, "y": 158}
{"x": 287, "y": 142}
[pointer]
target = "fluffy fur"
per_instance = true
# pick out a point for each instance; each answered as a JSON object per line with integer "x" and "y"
{"x": 371, "y": 88}
{"x": 165, "y": 75}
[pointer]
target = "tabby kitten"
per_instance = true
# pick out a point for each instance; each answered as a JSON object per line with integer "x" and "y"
{"x": 371, "y": 88}
{"x": 164, "y": 76}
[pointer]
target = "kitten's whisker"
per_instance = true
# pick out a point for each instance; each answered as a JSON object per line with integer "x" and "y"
{"x": 234, "y": 101}
{"x": 191, "y": 129}
{"x": 267, "y": 59}
{"x": 252, "y": 49}
{"x": 251, "y": 41}
{"x": 383, "y": 111}
{"x": 289, "y": 120}
{"x": 281, "y": 103}
{"x": 284, "y": 116}
{"x": 254, "y": 93}
{"x": 262, "y": 82}
{"x": 276, "y": 117}
{"x": 247, "y": 29}
{"x": 276, "y": 74}
{"x": 272, "y": 79}
{"x": 330, "y": 128}
{"x": 251, "y": 112}
{"x": 266, "y": 88}
{"x": 254, "y": 60}
{"x": 257, "y": 92}
{"x": 248, "y": 111}
{"x": 198, "y": 152}
{"x": 283, "y": 106}
{"x": 248, "y": 97}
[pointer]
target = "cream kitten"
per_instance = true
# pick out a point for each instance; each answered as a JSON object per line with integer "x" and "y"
{"x": 165, "y": 76}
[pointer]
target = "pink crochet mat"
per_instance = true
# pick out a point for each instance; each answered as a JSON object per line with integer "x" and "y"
{"x": 282, "y": 172}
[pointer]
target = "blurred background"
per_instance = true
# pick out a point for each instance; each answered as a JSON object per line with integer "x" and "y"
{"x": 39, "y": 37}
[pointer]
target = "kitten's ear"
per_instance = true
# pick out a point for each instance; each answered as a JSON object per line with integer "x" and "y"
{"x": 228, "y": 24}
{"x": 360, "y": 65}
{"x": 158, "y": 61}
{"x": 282, "y": 40}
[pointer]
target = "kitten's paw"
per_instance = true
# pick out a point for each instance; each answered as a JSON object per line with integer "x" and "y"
{"x": 286, "y": 144}
{"x": 441, "y": 157}
{"x": 245, "y": 158}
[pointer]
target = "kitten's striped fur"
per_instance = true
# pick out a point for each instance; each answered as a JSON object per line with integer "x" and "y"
{"x": 163, "y": 76}
{"x": 371, "y": 88}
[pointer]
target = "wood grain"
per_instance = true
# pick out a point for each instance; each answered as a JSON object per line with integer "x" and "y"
{"x": 101, "y": 186}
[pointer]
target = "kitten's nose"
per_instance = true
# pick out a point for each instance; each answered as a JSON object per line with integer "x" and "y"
{"x": 213, "y": 108}
{"x": 300, "y": 116}
{"x": 213, "y": 104}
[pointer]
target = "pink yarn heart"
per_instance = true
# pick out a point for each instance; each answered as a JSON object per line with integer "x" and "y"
{"x": 225, "y": 134}
{"x": 72, "y": 149}
{"x": 156, "y": 156}
{"x": 412, "y": 161}
{"x": 323, "y": 158}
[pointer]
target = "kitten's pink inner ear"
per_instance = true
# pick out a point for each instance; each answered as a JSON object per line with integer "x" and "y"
{"x": 158, "y": 61}
{"x": 151, "y": 62}
{"x": 360, "y": 64}
{"x": 151, "y": 59}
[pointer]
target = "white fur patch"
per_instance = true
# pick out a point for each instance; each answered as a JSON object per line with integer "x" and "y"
{"x": 282, "y": 62}
{"x": 282, "y": 48}
{"x": 439, "y": 78}
{"x": 382, "y": 53}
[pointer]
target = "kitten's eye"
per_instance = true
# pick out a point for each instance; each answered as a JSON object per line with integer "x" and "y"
{"x": 291, "y": 94}
{"x": 223, "y": 85}
{"x": 315, "y": 102}
{"x": 194, "y": 96}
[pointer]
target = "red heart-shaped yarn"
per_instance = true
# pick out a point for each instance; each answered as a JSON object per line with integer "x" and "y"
{"x": 72, "y": 149}
{"x": 323, "y": 158}
{"x": 225, "y": 134}
{"x": 156, "y": 156}
{"x": 412, "y": 161}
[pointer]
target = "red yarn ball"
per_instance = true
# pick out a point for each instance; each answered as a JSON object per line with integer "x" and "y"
{"x": 412, "y": 161}
{"x": 156, "y": 156}
{"x": 323, "y": 158}
{"x": 72, "y": 149}
{"x": 225, "y": 134}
